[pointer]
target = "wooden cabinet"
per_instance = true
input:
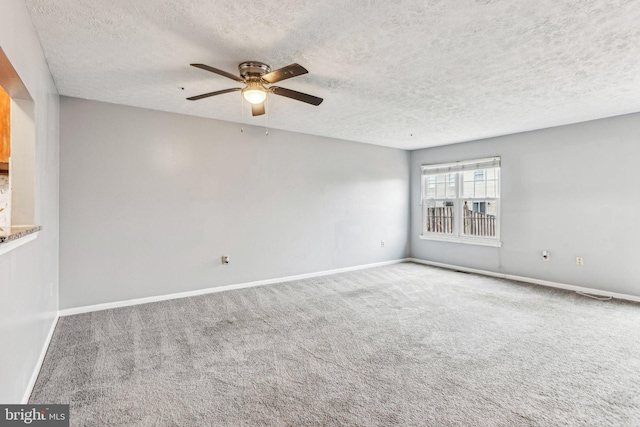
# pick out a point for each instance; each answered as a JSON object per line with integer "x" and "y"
{"x": 5, "y": 126}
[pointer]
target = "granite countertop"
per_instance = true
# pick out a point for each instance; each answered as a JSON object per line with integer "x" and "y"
{"x": 8, "y": 234}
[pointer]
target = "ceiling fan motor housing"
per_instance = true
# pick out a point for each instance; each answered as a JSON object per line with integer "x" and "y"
{"x": 253, "y": 69}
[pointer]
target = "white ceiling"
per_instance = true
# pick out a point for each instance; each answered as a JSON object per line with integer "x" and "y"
{"x": 406, "y": 73}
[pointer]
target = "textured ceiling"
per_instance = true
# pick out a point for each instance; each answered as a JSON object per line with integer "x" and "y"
{"x": 407, "y": 74}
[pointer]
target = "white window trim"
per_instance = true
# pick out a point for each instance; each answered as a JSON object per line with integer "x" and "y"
{"x": 480, "y": 241}
{"x": 458, "y": 236}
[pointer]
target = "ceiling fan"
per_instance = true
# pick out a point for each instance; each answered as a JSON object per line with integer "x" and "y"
{"x": 258, "y": 79}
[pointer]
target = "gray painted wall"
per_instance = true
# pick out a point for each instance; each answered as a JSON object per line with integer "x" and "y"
{"x": 27, "y": 306}
{"x": 572, "y": 190}
{"x": 150, "y": 201}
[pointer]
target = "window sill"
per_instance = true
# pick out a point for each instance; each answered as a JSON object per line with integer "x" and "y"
{"x": 466, "y": 240}
{"x": 17, "y": 236}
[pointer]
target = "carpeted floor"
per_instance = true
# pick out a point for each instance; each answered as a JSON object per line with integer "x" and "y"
{"x": 406, "y": 345}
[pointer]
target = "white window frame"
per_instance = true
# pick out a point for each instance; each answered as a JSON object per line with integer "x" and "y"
{"x": 458, "y": 235}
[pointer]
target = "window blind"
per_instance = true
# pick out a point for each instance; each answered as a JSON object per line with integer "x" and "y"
{"x": 490, "y": 162}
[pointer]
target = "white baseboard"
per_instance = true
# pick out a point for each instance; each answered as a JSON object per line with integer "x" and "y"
{"x": 116, "y": 304}
{"x": 36, "y": 370}
{"x": 591, "y": 291}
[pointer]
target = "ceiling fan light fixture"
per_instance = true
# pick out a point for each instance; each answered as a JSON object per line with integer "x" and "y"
{"x": 254, "y": 93}
{"x": 258, "y": 79}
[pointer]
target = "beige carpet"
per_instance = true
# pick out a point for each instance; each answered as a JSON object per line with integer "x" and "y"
{"x": 406, "y": 345}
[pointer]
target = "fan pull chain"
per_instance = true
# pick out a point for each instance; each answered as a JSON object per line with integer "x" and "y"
{"x": 241, "y": 114}
{"x": 266, "y": 104}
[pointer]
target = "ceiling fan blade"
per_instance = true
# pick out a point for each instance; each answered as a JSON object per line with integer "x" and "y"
{"x": 218, "y": 92}
{"x": 220, "y": 72}
{"x": 298, "y": 96}
{"x": 284, "y": 73}
{"x": 257, "y": 109}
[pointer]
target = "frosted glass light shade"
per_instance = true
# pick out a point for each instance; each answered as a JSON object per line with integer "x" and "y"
{"x": 254, "y": 92}
{"x": 254, "y": 96}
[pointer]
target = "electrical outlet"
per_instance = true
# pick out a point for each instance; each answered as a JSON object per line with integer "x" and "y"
{"x": 382, "y": 243}
{"x": 225, "y": 259}
{"x": 579, "y": 260}
{"x": 545, "y": 255}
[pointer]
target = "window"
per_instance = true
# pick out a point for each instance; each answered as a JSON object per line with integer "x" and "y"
{"x": 480, "y": 207}
{"x": 461, "y": 202}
